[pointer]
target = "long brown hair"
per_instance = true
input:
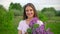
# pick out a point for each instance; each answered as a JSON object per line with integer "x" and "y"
{"x": 33, "y": 7}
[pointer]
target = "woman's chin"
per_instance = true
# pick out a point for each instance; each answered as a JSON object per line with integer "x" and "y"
{"x": 30, "y": 17}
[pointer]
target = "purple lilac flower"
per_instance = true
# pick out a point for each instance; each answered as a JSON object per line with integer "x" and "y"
{"x": 34, "y": 20}
{"x": 40, "y": 29}
{"x": 33, "y": 31}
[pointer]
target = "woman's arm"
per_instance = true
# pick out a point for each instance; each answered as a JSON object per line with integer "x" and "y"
{"x": 19, "y": 32}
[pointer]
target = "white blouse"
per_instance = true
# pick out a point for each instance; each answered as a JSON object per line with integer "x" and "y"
{"x": 23, "y": 26}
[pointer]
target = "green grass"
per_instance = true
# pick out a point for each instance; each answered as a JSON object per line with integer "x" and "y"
{"x": 54, "y": 25}
{"x": 12, "y": 30}
{"x": 16, "y": 22}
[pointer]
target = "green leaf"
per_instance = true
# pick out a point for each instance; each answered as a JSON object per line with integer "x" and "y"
{"x": 36, "y": 26}
{"x": 29, "y": 30}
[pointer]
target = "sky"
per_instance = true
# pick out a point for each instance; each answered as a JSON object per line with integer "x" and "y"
{"x": 39, "y": 4}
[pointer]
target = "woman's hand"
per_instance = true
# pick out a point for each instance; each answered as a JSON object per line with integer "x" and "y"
{"x": 19, "y": 32}
{"x": 26, "y": 33}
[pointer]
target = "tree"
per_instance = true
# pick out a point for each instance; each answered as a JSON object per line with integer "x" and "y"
{"x": 49, "y": 12}
{"x": 58, "y": 13}
{"x": 6, "y": 20}
{"x": 17, "y": 8}
{"x": 42, "y": 16}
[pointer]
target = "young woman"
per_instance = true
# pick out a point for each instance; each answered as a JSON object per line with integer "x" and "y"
{"x": 28, "y": 15}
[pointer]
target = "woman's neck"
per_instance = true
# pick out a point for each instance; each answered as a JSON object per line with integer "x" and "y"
{"x": 30, "y": 18}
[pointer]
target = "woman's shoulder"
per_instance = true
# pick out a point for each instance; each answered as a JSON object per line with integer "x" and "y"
{"x": 40, "y": 22}
{"x": 22, "y": 21}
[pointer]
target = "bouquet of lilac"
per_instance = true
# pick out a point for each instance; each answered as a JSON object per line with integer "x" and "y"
{"x": 36, "y": 29}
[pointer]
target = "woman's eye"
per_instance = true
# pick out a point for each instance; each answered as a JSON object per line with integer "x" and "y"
{"x": 30, "y": 9}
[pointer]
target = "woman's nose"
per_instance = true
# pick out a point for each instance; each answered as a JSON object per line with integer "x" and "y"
{"x": 29, "y": 11}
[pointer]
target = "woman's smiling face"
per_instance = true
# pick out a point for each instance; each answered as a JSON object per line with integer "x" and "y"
{"x": 29, "y": 12}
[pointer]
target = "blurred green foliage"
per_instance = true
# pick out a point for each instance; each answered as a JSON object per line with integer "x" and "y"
{"x": 58, "y": 13}
{"x": 6, "y": 20}
{"x": 16, "y": 8}
{"x": 49, "y": 12}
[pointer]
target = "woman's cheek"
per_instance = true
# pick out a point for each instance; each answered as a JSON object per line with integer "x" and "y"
{"x": 32, "y": 13}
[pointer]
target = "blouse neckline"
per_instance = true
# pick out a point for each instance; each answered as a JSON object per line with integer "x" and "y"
{"x": 26, "y": 23}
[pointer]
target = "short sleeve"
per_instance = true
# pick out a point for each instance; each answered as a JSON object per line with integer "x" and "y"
{"x": 20, "y": 26}
{"x": 40, "y": 22}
